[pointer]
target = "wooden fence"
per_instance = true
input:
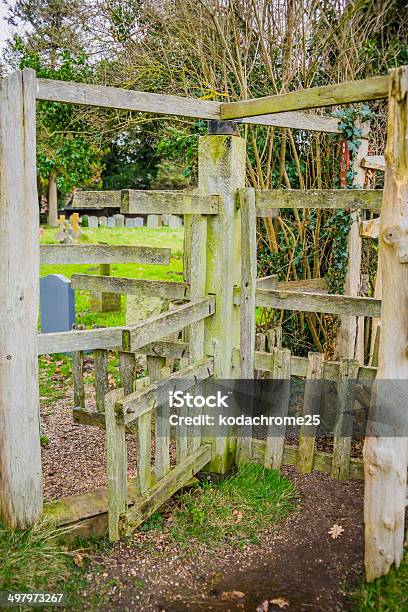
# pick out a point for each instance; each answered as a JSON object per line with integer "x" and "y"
{"x": 219, "y": 296}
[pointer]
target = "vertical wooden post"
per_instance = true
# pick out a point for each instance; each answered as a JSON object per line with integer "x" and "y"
{"x": 116, "y": 458}
{"x": 221, "y": 171}
{"x": 247, "y": 307}
{"x": 350, "y": 343}
{"x": 20, "y": 452}
{"x": 386, "y": 457}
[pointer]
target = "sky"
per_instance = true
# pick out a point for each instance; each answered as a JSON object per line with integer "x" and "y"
{"x": 4, "y": 27}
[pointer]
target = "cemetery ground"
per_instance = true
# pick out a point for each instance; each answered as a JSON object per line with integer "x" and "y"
{"x": 221, "y": 546}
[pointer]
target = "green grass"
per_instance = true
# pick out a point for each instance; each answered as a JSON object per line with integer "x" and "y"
{"x": 233, "y": 511}
{"x": 387, "y": 594}
{"x": 33, "y": 558}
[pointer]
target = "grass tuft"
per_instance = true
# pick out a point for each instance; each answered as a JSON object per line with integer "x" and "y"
{"x": 33, "y": 558}
{"x": 387, "y": 594}
{"x": 235, "y": 510}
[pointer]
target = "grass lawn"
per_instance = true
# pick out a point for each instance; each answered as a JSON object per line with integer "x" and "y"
{"x": 387, "y": 594}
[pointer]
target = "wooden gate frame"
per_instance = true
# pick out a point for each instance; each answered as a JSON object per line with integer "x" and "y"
{"x": 385, "y": 458}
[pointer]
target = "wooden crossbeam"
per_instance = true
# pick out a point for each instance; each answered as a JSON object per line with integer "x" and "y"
{"x": 168, "y": 202}
{"x": 97, "y": 199}
{"x": 164, "y": 489}
{"x": 125, "y": 99}
{"x": 138, "y": 403}
{"x": 101, "y": 253}
{"x": 130, "y": 337}
{"x": 373, "y": 88}
{"x": 315, "y": 302}
{"x": 374, "y": 162}
{"x": 349, "y": 199}
{"x": 131, "y": 286}
{"x": 166, "y": 323}
{"x": 297, "y": 121}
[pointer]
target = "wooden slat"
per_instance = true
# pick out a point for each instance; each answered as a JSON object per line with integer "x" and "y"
{"x": 308, "y": 285}
{"x": 144, "y": 442}
{"x": 165, "y": 348}
{"x": 374, "y": 162}
{"x": 348, "y": 199}
{"x": 101, "y": 378}
{"x": 97, "y": 199}
{"x": 166, "y": 323}
{"x": 280, "y": 405}
{"x": 80, "y": 340}
{"x": 100, "y": 253}
{"x": 130, "y": 286}
{"x": 311, "y": 406}
{"x": 348, "y": 373}
{"x": 125, "y": 99}
{"x": 297, "y": 121}
{"x": 373, "y": 88}
{"x": 164, "y": 489}
{"x": 321, "y": 461}
{"x": 316, "y": 302}
{"x": 127, "y": 365}
{"x": 267, "y": 282}
{"x": 247, "y": 306}
{"x": 138, "y": 403}
{"x": 78, "y": 378}
{"x": 168, "y": 202}
{"x": 162, "y": 434}
{"x": 116, "y": 459}
{"x": 182, "y": 429}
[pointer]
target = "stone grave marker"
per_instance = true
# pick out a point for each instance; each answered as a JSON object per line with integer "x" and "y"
{"x": 57, "y": 304}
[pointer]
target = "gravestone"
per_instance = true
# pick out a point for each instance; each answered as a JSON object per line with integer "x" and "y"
{"x": 103, "y": 221}
{"x": 138, "y": 221}
{"x": 130, "y": 222}
{"x": 175, "y": 222}
{"x": 119, "y": 220}
{"x": 57, "y": 304}
{"x": 111, "y": 222}
{"x": 92, "y": 222}
{"x": 152, "y": 221}
{"x": 165, "y": 219}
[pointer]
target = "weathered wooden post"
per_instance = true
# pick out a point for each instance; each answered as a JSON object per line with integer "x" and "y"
{"x": 20, "y": 453}
{"x": 221, "y": 171}
{"x": 386, "y": 456}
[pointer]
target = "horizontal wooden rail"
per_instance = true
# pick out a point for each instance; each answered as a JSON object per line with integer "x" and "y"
{"x": 164, "y": 489}
{"x": 373, "y": 88}
{"x": 166, "y": 323}
{"x": 130, "y": 337}
{"x": 351, "y": 199}
{"x": 165, "y": 348}
{"x": 138, "y": 403}
{"x": 297, "y": 121}
{"x": 312, "y": 285}
{"x": 97, "y": 199}
{"x": 130, "y": 286}
{"x": 373, "y": 162}
{"x": 125, "y": 99}
{"x": 100, "y": 253}
{"x": 315, "y": 302}
{"x": 298, "y": 367}
{"x": 168, "y": 202}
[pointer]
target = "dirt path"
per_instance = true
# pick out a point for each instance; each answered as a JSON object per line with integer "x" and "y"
{"x": 297, "y": 561}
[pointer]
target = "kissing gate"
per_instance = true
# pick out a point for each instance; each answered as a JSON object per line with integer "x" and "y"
{"x": 219, "y": 295}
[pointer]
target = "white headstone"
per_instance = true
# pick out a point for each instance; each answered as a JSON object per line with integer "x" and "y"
{"x": 111, "y": 222}
{"x": 92, "y": 221}
{"x": 103, "y": 221}
{"x": 175, "y": 222}
{"x": 129, "y": 222}
{"x": 152, "y": 221}
{"x": 165, "y": 219}
{"x": 119, "y": 220}
{"x": 138, "y": 221}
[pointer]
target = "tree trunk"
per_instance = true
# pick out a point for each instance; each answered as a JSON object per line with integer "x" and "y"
{"x": 52, "y": 200}
{"x": 386, "y": 444}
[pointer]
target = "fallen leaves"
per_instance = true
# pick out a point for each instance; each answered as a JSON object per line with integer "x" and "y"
{"x": 238, "y": 516}
{"x": 336, "y": 531}
{"x": 232, "y": 595}
{"x": 78, "y": 560}
{"x": 281, "y": 602}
